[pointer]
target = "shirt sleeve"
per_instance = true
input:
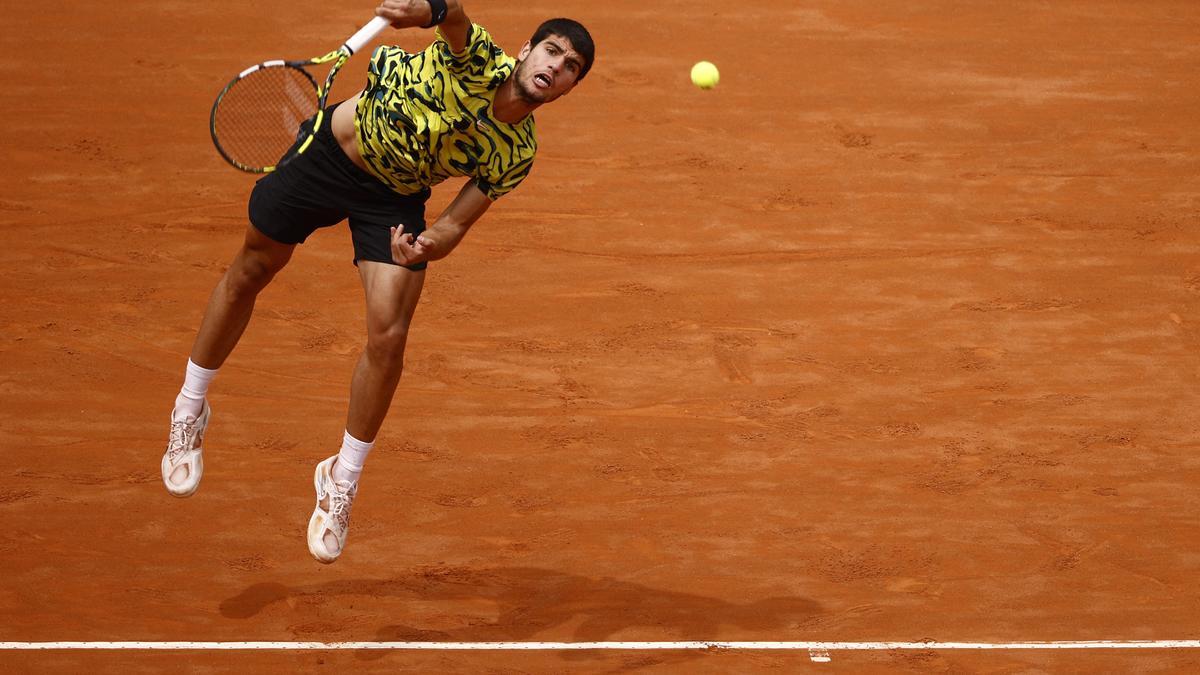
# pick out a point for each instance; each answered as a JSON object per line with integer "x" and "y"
{"x": 481, "y": 65}
{"x": 497, "y": 182}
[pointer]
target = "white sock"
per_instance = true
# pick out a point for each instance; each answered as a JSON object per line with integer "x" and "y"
{"x": 351, "y": 457}
{"x": 190, "y": 400}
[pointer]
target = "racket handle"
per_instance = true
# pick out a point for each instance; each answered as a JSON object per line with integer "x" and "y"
{"x": 365, "y": 34}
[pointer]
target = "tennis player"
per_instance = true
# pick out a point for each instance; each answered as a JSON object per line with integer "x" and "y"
{"x": 462, "y": 107}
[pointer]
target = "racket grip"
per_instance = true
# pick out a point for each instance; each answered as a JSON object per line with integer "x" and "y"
{"x": 365, "y": 34}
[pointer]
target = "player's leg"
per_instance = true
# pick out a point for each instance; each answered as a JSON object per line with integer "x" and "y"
{"x": 225, "y": 319}
{"x": 232, "y": 301}
{"x": 285, "y": 207}
{"x": 392, "y": 293}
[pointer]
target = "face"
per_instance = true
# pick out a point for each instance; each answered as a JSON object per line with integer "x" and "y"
{"x": 547, "y": 70}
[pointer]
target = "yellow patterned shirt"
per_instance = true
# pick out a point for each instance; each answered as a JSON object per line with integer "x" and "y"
{"x": 426, "y": 117}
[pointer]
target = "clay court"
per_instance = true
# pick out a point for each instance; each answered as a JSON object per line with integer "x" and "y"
{"x": 892, "y": 336}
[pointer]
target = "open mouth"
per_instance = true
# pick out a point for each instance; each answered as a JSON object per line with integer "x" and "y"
{"x": 543, "y": 81}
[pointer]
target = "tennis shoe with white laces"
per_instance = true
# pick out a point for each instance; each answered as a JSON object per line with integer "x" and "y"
{"x": 330, "y": 521}
{"x": 183, "y": 460}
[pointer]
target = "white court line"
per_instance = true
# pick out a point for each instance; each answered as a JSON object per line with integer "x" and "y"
{"x": 559, "y": 646}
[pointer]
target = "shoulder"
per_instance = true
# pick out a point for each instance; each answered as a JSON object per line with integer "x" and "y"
{"x": 388, "y": 57}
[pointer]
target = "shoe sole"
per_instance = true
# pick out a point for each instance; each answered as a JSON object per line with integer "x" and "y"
{"x": 191, "y": 491}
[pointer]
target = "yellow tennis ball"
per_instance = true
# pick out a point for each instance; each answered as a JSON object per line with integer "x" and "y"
{"x": 705, "y": 75}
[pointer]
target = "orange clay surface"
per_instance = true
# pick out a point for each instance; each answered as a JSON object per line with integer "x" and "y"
{"x": 891, "y": 336}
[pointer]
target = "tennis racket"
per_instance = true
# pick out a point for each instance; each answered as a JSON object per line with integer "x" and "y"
{"x": 257, "y": 117}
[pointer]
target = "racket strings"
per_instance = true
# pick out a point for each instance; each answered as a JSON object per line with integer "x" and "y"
{"x": 258, "y": 118}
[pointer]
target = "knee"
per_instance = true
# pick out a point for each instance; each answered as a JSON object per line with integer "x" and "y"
{"x": 386, "y": 346}
{"x": 251, "y": 273}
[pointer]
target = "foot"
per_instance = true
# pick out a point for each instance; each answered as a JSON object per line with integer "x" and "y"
{"x": 183, "y": 461}
{"x": 330, "y": 520}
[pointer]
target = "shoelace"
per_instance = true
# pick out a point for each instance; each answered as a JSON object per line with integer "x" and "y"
{"x": 340, "y": 502}
{"x": 182, "y": 433}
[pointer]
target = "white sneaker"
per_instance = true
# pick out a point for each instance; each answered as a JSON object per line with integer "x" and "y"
{"x": 183, "y": 461}
{"x": 331, "y": 517}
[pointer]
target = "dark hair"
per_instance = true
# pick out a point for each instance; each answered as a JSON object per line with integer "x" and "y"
{"x": 581, "y": 40}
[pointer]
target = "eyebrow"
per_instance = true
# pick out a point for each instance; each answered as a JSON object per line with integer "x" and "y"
{"x": 573, "y": 59}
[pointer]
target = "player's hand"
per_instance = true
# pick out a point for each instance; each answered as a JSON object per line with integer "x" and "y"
{"x": 405, "y": 13}
{"x": 407, "y": 250}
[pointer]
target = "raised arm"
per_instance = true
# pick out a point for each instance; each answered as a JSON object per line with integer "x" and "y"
{"x": 456, "y": 27}
{"x": 446, "y": 232}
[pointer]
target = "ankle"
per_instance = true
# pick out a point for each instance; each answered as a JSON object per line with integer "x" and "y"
{"x": 186, "y": 406}
{"x": 341, "y": 474}
{"x": 190, "y": 400}
{"x": 351, "y": 458}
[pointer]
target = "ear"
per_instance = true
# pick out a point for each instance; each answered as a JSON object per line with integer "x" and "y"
{"x": 524, "y": 51}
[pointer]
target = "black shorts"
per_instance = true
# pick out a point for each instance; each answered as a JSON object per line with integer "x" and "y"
{"x": 323, "y": 187}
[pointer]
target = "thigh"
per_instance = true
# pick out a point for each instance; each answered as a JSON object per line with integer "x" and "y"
{"x": 263, "y": 252}
{"x": 392, "y": 292}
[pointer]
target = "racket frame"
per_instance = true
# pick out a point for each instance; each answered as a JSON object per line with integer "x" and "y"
{"x": 338, "y": 56}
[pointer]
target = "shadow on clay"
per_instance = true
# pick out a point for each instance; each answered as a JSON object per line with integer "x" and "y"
{"x": 529, "y": 602}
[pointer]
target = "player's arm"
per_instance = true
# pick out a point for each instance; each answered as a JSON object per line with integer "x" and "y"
{"x": 456, "y": 27}
{"x": 436, "y": 242}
